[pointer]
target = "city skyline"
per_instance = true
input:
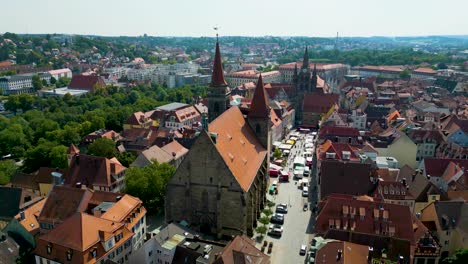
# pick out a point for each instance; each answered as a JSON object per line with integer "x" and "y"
{"x": 241, "y": 18}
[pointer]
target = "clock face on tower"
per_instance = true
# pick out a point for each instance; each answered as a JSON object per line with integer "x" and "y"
{"x": 304, "y": 70}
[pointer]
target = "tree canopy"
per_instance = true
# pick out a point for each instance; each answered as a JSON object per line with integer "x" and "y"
{"x": 103, "y": 147}
{"x": 149, "y": 184}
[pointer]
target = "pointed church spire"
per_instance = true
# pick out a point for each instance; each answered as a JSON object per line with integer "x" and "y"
{"x": 259, "y": 107}
{"x": 314, "y": 78}
{"x": 305, "y": 61}
{"x": 217, "y": 79}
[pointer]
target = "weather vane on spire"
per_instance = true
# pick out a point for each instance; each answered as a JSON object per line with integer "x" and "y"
{"x": 216, "y": 28}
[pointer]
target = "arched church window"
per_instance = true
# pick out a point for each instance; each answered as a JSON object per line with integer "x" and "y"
{"x": 258, "y": 129}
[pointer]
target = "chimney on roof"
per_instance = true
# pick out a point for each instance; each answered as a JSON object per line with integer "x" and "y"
{"x": 338, "y": 256}
{"x": 118, "y": 198}
{"x": 22, "y": 217}
{"x": 78, "y": 185}
{"x": 370, "y": 253}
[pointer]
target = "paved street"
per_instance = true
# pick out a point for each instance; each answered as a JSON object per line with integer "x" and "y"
{"x": 298, "y": 227}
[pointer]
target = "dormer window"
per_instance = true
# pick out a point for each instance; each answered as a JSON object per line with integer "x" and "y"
{"x": 49, "y": 248}
{"x": 69, "y": 254}
{"x": 118, "y": 237}
{"x": 94, "y": 252}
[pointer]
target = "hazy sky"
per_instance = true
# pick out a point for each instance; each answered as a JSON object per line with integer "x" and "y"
{"x": 236, "y": 17}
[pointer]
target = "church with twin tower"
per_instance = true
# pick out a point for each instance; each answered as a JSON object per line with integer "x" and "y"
{"x": 220, "y": 187}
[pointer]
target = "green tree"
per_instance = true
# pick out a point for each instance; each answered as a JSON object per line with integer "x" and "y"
{"x": 53, "y": 80}
{"x": 442, "y": 66}
{"x": 149, "y": 184}
{"x": 58, "y": 157}
{"x": 37, "y": 82}
{"x": 262, "y": 230}
{"x": 126, "y": 158}
{"x": 277, "y": 154}
{"x": 405, "y": 74}
{"x": 62, "y": 82}
{"x": 38, "y": 156}
{"x": 13, "y": 141}
{"x": 460, "y": 257}
{"x": 13, "y": 104}
{"x": 7, "y": 170}
{"x": 26, "y": 102}
{"x": 267, "y": 212}
{"x": 264, "y": 220}
{"x": 103, "y": 147}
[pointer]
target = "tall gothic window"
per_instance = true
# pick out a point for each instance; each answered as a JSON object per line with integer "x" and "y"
{"x": 216, "y": 107}
{"x": 258, "y": 129}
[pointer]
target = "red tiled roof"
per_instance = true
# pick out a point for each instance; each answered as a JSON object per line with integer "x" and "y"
{"x": 337, "y": 148}
{"x": 85, "y": 82}
{"x": 136, "y": 118}
{"x": 242, "y": 250}
{"x": 217, "y": 79}
{"x": 350, "y": 178}
{"x": 63, "y": 202}
{"x": 175, "y": 149}
{"x": 371, "y": 223}
{"x": 259, "y": 107}
{"x": 93, "y": 170}
{"x": 237, "y": 144}
{"x": 85, "y": 231}
{"x": 436, "y": 166}
{"x": 319, "y": 102}
{"x": 425, "y": 70}
{"x": 350, "y": 253}
{"x": 338, "y": 131}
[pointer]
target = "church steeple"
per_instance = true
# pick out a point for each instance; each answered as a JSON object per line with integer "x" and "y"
{"x": 314, "y": 78}
{"x": 218, "y": 91}
{"x": 305, "y": 61}
{"x": 217, "y": 79}
{"x": 259, "y": 107}
{"x": 259, "y": 115}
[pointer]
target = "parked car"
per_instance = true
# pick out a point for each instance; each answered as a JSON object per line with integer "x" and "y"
{"x": 275, "y": 230}
{"x": 303, "y": 250}
{"x": 305, "y": 191}
{"x": 281, "y": 209}
{"x": 305, "y": 207}
{"x": 306, "y": 171}
{"x": 277, "y": 219}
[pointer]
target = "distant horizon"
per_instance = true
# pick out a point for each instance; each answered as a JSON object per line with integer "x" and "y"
{"x": 363, "y": 18}
{"x": 248, "y": 36}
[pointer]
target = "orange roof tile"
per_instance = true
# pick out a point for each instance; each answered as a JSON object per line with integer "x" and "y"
{"x": 80, "y": 232}
{"x": 175, "y": 149}
{"x": 30, "y": 217}
{"x": 238, "y": 145}
{"x": 122, "y": 208}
